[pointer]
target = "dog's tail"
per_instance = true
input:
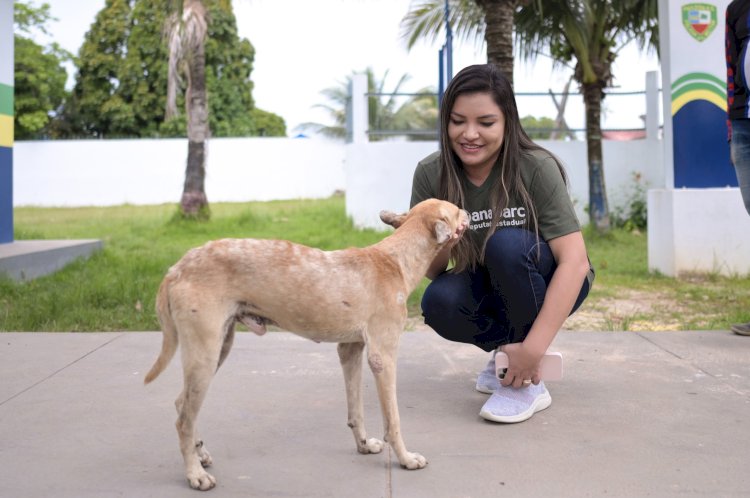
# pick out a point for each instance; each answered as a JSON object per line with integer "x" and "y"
{"x": 169, "y": 332}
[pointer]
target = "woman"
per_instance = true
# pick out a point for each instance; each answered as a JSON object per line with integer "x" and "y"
{"x": 522, "y": 268}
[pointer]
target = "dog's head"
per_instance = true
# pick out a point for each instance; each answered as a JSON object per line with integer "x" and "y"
{"x": 442, "y": 217}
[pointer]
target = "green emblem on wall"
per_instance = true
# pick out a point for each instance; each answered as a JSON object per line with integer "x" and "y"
{"x": 699, "y": 19}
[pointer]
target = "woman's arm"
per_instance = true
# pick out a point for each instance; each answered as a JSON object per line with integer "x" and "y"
{"x": 569, "y": 252}
{"x": 439, "y": 264}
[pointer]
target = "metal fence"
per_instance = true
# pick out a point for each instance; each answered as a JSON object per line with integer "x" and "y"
{"x": 623, "y": 115}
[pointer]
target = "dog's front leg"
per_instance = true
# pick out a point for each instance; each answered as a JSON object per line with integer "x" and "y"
{"x": 350, "y": 355}
{"x": 381, "y": 356}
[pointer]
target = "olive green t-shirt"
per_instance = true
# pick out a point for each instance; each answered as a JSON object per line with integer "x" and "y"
{"x": 541, "y": 177}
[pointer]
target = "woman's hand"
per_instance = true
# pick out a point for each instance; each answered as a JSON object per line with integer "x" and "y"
{"x": 523, "y": 364}
{"x": 440, "y": 263}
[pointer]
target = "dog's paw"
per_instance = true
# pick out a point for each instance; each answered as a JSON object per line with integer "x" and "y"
{"x": 414, "y": 461}
{"x": 201, "y": 480}
{"x": 370, "y": 446}
{"x": 205, "y": 457}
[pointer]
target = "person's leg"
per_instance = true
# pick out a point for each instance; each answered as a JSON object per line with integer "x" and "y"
{"x": 497, "y": 303}
{"x": 454, "y": 305}
{"x": 740, "y": 153}
{"x": 520, "y": 267}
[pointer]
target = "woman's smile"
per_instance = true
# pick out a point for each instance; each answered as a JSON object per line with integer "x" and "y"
{"x": 476, "y": 131}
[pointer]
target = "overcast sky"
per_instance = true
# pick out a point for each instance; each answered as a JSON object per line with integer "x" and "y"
{"x": 305, "y": 46}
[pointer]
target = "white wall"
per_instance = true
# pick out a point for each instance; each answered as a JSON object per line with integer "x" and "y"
{"x": 698, "y": 230}
{"x": 375, "y": 175}
{"x": 379, "y": 174}
{"x": 111, "y": 172}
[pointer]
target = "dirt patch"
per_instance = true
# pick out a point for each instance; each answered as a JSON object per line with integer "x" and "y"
{"x": 633, "y": 310}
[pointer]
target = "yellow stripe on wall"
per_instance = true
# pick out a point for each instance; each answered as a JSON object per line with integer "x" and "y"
{"x": 718, "y": 100}
{"x": 6, "y": 131}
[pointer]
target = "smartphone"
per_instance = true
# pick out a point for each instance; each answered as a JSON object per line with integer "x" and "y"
{"x": 550, "y": 368}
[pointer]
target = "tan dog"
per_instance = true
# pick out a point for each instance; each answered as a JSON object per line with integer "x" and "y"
{"x": 355, "y": 297}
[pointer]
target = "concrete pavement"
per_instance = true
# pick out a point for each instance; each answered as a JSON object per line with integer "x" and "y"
{"x": 637, "y": 414}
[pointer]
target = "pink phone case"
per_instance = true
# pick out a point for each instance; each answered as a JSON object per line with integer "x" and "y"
{"x": 550, "y": 368}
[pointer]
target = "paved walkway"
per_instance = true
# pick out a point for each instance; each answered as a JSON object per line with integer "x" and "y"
{"x": 637, "y": 414}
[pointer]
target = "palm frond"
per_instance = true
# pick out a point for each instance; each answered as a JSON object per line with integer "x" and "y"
{"x": 426, "y": 21}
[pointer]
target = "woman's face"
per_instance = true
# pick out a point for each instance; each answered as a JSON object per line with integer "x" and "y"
{"x": 476, "y": 130}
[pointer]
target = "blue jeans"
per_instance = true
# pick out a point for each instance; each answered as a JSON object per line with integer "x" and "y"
{"x": 498, "y": 302}
{"x": 740, "y": 154}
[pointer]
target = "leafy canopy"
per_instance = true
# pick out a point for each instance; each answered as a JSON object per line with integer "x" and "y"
{"x": 39, "y": 79}
{"x": 121, "y": 83}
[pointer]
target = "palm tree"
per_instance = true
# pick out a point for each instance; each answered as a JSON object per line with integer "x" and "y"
{"x": 490, "y": 20}
{"x": 589, "y": 33}
{"x": 417, "y": 113}
{"x": 187, "y": 37}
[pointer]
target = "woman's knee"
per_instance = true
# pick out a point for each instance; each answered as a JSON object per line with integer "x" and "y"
{"x": 508, "y": 248}
{"x": 439, "y": 298}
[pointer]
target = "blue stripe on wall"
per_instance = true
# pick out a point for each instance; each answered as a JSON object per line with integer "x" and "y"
{"x": 701, "y": 151}
{"x": 6, "y": 194}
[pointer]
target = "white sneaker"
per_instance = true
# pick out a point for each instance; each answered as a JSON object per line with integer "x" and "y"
{"x": 487, "y": 381}
{"x": 509, "y": 405}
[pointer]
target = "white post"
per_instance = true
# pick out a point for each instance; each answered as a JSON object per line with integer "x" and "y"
{"x": 359, "y": 114}
{"x": 652, "y": 105}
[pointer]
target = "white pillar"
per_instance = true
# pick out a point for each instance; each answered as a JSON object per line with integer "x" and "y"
{"x": 359, "y": 115}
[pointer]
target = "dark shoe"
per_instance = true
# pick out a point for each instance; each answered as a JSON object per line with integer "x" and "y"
{"x": 741, "y": 328}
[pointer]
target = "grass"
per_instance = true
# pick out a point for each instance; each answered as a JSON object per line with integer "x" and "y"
{"x": 115, "y": 289}
{"x": 700, "y": 301}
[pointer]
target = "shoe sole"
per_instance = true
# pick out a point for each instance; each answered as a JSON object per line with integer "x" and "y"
{"x": 740, "y": 331}
{"x": 540, "y": 403}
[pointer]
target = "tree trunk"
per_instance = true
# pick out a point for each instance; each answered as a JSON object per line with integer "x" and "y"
{"x": 498, "y": 33}
{"x": 194, "y": 203}
{"x": 598, "y": 205}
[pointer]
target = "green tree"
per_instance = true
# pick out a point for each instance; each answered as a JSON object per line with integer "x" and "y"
{"x": 589, "y": 33}
{"x": 268, "y": 124}
{"x": 39, "y": 79}
{"x": 96, "y": 107}
{"x": 387, "y": 112}
{"x": 538, "y": 128}
{"x": 121, "y": 83}
{"x": 143, "y": 74}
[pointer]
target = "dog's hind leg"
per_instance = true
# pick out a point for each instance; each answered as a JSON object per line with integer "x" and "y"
{"x": 350, "y": 355}
{"x": 382, "y": 347}
{"x": 203, "y": 455}
{"x": 226, "y": 345}
{"x": 200, "y": 360}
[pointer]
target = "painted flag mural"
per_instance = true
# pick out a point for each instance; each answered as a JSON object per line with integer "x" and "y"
{"x": 698, "y": 95}
{"x": 6, "y": 121}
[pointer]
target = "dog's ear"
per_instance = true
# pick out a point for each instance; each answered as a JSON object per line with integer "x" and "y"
{"x": 392, "y": 219}
{"x": 443, "y": 231}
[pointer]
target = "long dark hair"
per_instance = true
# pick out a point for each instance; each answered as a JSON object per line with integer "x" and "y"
{"x": 486, "y": 78}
